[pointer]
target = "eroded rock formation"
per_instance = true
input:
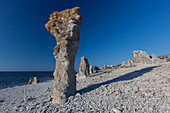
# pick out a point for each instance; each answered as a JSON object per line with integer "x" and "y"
{"x": 130, "y": 63}
{"x": 65, "y": 26}
{"x": 94, "y": 69}
{"x": 84, "y": 68}
{"x": 141, "y": 58}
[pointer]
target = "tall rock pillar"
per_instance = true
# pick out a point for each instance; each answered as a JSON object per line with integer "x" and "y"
{"x": 65, "y": 26}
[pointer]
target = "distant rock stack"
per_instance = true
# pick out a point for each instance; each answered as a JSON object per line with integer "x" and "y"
{"x": 33, "y": 80}
{"x": 65, "y": 26}
{"x": 94, "y": 69}
{"x": 84, "y": 68}
{"x": 141, "y": 58}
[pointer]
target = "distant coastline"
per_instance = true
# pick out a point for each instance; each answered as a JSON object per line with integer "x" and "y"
{"x": 17, "y": 78}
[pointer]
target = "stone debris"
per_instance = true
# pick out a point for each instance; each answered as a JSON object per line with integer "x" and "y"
{"x": 65, "y": 26}
{"x": 142, "y": 89}
{"x": 33, "y": 80}
{"x": 83, "y": 68}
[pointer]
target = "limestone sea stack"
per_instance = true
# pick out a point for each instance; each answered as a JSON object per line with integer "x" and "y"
{"x": 84, "y": 68}
{"x": 65, "y": 26}
{"x": 141, "y": 58}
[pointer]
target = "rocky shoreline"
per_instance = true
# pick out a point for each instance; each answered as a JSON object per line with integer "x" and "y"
{"x": 135, "y": 89}
{"x": 23, "y": 78}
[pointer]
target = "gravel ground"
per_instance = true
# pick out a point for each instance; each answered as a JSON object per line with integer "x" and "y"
{"x": 128, "y": 90}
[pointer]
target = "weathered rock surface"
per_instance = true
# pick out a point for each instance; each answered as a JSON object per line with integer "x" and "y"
{"x": 157, "y": 60}
{"x": 83, "y": 68}
{"x": 33, "y": 80}
{"x": 130, "y": 63}
{"x": 142, "y": 89}
{"x": 93, "y": 69}
{"x": 141, "y": 58}
{"x": 65, "y": 26}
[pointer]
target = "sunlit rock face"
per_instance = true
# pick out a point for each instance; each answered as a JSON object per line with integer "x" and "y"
{"x": 141, "y": 58}
{"x": 65, "y": 26}
{"x": 84, "y": 70}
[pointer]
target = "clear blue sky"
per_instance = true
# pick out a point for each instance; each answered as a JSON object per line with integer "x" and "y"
{"x": 110, "y": 31}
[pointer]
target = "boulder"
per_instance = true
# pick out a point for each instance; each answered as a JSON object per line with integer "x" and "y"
{"x": 94, "y": 69}
{"x": 65, "y": 26}
{"x": 33, "y": 80}
{"x": 83, "y": 68}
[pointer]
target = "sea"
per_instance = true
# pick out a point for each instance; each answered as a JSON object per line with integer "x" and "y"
{"x": 11, "y": 79}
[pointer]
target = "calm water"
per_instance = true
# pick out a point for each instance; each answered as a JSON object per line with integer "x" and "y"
{"x": 10, "y": 79}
